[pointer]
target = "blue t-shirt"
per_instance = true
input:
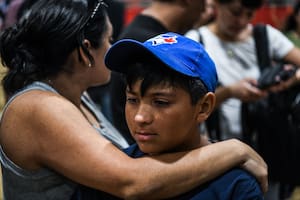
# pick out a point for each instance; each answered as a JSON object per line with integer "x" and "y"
{"x": 235, "y": 184}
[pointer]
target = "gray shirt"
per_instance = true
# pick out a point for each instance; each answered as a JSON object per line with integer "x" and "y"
{"x": 45, "y": 184}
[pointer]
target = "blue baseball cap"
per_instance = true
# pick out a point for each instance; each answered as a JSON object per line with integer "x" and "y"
{"x": 178, "y": 52}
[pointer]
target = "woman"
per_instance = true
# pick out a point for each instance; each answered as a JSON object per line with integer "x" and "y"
{"x": 53, "y": 55}
{"x": 229, "y": 41}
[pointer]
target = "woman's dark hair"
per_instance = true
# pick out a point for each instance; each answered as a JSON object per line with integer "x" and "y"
{"x": 291, "y": 23}
{"x": 24, "y": 7}
{"x": 252, "y": 4}
{"x": 153, "y": 73}
{"x": 38, "y": 46}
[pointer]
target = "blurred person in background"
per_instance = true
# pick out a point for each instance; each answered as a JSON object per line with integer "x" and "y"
{"x": 229, "y": 41}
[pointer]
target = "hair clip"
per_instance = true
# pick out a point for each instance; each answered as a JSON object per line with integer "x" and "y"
{"x": 100, "y": 3}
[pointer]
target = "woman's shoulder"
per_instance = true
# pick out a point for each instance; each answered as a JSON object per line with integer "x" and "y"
{"x": 34, "y": 102}
{"x": 279, "y": 44}
{"x": 43, "y": 117}
{"x": 37, "y": 112}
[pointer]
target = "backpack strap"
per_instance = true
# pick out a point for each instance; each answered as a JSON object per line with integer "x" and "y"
{"x": 263, "y": 58}
{"x": 199, "y": 36}
{"x": 262, "y": 45}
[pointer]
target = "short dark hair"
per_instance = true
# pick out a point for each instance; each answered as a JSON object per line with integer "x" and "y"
{"x": 39, "y": 44}
{"x": 154, "y": 72}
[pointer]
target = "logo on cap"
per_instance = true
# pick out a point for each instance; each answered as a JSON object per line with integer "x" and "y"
{"x": 163, "y": 39}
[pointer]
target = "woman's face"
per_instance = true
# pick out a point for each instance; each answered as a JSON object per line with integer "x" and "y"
{"x": 233, "y": 18}
{"x": 209, "y": 12}
{"x": 102, "y": 73}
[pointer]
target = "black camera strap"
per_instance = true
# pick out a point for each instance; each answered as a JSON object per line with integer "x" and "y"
{"x": 262, "y": 45}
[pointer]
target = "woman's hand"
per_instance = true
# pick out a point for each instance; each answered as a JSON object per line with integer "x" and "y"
{"x": 246, "y": 90}
{"x": 254, "y": 164}
{"x": 285, "y": 84}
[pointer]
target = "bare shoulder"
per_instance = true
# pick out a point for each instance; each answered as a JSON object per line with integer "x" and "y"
{"x": 34, "y": 107}
{"x": 36, "y": 124}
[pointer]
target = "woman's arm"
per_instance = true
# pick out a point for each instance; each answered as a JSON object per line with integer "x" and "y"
{"x": 55, "y": 134}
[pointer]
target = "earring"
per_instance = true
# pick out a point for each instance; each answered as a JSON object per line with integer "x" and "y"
{"x": 90, "y": 65}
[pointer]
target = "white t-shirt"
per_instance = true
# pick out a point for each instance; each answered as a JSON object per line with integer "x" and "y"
{"x": 235, "y": 61}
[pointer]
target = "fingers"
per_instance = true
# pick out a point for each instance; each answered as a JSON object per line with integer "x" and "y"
{"x": 259, "y": 170}
{"x": 249, "y": 92}
{"x": 255, "y": 164}
{"x": 264, "y": 184}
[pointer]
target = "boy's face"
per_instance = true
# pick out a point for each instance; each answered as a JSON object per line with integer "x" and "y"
{"x": 163, "y": 120}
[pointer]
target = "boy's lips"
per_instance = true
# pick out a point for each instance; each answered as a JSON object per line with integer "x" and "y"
{"x": 143, "y": 135}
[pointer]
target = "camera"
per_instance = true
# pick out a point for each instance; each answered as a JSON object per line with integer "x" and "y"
{"x": 273, "y": 75}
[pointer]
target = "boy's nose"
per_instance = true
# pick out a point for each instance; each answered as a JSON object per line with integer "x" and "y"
{"x": 143, "y": 114}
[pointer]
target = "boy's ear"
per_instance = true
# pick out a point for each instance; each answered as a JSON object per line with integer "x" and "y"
{"x": 206, "y": 106}
{"x": 84, "y": 57}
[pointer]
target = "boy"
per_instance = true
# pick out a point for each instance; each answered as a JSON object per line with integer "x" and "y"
{"x": 170, "y": 85}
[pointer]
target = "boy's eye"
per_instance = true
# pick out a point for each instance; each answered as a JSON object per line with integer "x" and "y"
{"x": 131, "y": 100}
{"x": 161, "y": 102}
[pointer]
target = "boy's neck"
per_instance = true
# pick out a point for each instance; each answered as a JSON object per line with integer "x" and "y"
{"x": 202, "y": 141}
{"x": 199, "y": 140}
